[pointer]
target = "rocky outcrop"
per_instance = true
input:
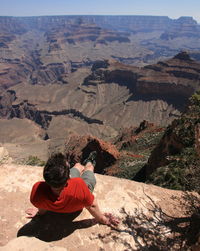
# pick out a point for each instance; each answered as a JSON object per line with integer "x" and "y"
{"x": 182, "y": 67}
{"x": 128, "y": 136}
{"x": 165, "y": 80}
{"x": 150, "y": 217}
{"x": 170, "y": 144}
{"x": 78, "y": 148}
{"x": 21, "y": 110}
{"x": 177, "y": 152}
{"x": 83, "y": 32}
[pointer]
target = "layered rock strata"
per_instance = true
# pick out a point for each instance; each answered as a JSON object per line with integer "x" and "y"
{"x": 101, "y": 100}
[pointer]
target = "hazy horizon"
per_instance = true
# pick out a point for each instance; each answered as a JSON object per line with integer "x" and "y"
{"x": 171, "y": 8}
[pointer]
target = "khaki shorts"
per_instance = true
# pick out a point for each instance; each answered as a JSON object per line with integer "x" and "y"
{"x": 87, "y": 176}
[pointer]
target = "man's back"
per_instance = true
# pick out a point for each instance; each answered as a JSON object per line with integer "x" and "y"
{"x": 74, "y": 196}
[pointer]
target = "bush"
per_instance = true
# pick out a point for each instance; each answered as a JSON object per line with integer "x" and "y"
{"x": 183, "y": 173}
{"x": 34, "y": 161}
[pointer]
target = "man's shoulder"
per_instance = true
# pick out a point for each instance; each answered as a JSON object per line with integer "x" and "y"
{"x": 38, "y": 190}
{"x": 40, "y": 185}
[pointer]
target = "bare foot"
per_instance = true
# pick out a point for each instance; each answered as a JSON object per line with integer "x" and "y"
{"x": 89, "y": 167}
{"x": 79, "y": 167}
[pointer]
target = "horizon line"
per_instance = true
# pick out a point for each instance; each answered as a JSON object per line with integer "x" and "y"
{"x": 94, "y": 15}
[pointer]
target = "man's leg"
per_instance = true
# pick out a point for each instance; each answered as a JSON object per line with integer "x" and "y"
{"x": 76, "y": 171}
{"x": 88, "y": 176}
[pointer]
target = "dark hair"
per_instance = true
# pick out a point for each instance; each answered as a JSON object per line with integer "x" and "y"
{"x": 56, "y": 171}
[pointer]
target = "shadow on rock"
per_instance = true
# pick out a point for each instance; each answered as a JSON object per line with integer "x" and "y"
{"x": 154, "y": 230}
{"x": 54, "y": 226}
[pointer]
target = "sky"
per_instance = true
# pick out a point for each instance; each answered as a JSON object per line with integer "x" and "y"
{"x": 171, "y": 8}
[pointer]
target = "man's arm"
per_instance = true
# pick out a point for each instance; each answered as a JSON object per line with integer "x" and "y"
{"x": 32, "y": 212}
{"x": 107, "y": 219}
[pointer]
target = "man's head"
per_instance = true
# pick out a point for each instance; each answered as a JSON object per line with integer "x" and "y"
{"x": 56, "y": 171}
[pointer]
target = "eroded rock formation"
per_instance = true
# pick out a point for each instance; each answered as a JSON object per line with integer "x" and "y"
{"x": 102, "y": 100}
{"x": 128, "y": 136}
{"x": 177, "y": 150}
{"x": 44, "y": 50}
{"x": 78, "y": 148}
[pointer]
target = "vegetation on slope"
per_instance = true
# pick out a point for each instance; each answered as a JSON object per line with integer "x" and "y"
{"x": 135, "y": 155}
{"x": 183, "y": 168}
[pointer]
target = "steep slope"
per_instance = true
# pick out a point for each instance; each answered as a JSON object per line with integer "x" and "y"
{"x": 175, "y": 161}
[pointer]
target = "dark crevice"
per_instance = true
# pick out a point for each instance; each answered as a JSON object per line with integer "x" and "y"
{"x": 74, "y": 113}
{"x": 43, "y": 118}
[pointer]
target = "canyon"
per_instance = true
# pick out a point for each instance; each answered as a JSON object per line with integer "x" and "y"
{"x": 100, "y": 100}
{"x": 92, "y": 75}
{"x": 119, "y": 85}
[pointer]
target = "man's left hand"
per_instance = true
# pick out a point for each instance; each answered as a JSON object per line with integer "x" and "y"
{"x": 31, "y": 212}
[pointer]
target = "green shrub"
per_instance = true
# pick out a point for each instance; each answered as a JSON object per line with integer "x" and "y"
{"x": 146, "y": 141}
{"x": 183, "y": 173}
{"x": 34, "y": 161}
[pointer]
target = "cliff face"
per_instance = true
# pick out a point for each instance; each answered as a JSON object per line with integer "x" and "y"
{"x": 172, "y": 82}
{"x": 122, "y": 23}
{"x": 175, "y": 160}
{"x": 44, "y": 50}
{"x": 150, "y": 217}
{"x": 182, "y": 27}
{"x": 171, "y": 78}
{"x": 105, "y": 98}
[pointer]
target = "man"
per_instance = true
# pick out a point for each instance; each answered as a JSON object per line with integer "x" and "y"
{"x": 67, "y": 190}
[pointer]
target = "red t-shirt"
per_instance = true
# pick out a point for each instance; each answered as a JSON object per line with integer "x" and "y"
{"x": 74, "y": 196}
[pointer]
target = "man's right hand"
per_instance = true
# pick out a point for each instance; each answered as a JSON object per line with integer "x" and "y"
{"x": 110, "y": 220}
{"x": 106, "y": 218}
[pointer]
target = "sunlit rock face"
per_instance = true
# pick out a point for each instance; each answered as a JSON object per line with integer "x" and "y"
{"x": 78, "y": 148}
{"x": 149, "y": 216}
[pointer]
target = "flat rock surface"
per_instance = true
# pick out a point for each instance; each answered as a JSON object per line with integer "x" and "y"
{"x": 138, "y": 205}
